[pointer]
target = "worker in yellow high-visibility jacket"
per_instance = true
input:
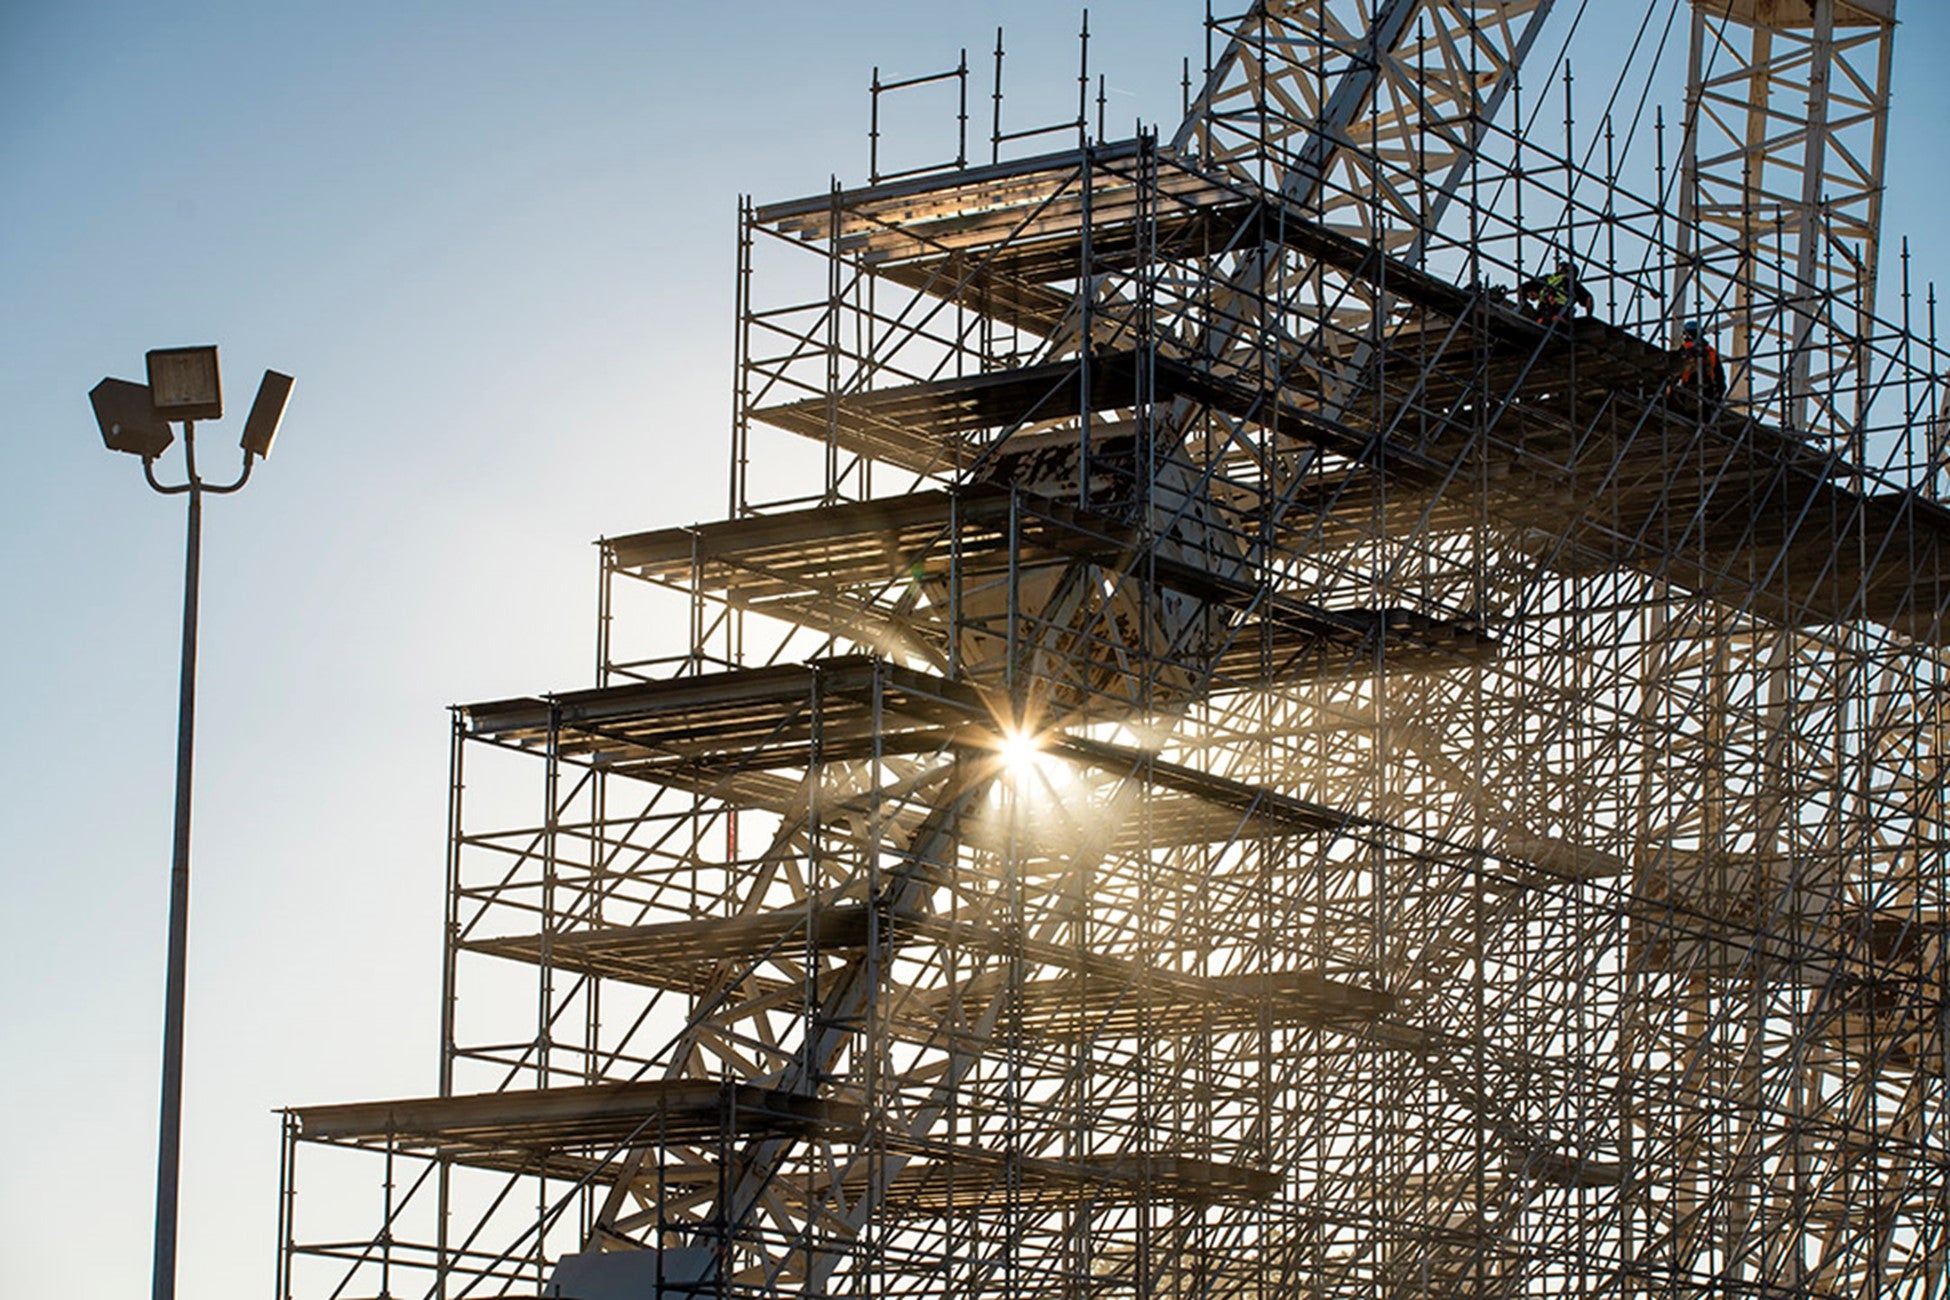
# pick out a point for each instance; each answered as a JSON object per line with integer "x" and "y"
{"x": 1557, "y": 296}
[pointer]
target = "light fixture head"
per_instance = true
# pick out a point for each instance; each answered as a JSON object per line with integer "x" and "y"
{"x": 262, "y": 424}
{"x": 128, "y": 419}
{"x": 184, "y": 384}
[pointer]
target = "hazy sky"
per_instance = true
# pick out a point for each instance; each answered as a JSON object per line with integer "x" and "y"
{"x": 494, "y": 244}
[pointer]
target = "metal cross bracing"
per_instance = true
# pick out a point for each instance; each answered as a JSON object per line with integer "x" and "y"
{"x": 1211, "y": 756}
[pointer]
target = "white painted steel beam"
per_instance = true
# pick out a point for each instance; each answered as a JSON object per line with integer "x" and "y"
{"x": 1787, "y": 112}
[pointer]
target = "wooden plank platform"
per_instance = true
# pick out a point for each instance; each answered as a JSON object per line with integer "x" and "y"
{"x": 585, "y": 1119}
{"x": 1022, "y": 203}
{"x": 988, "y": 238}
{"x": 751, "y": 718}
{"x": 582, "y": 1132}
{"x": 708, "y": 731}
{"x": 1089, "y": 992}
{"x": 927, "y": 1187}
{"x": 1123, "y": 1002}
{"x": 686, "y": 955}
{"x": 845, "y": 569}
{"x": 927, "y": 427}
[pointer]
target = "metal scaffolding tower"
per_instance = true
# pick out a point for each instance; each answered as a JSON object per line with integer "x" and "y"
{"x": 1216, "y": 754}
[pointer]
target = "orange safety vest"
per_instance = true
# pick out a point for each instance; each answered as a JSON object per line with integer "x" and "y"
{"x": 1698, "y": 353}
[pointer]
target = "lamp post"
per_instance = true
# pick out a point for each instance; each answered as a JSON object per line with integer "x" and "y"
{"x": 134, "y": 418}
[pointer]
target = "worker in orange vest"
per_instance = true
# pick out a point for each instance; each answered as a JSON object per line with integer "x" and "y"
{"x": 1699, "y": 362}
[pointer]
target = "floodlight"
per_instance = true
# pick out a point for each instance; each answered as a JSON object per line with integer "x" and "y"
{"x": 184, "y": 383}
{"x": 128, "y": 419}
{"x": 268, "y": 408}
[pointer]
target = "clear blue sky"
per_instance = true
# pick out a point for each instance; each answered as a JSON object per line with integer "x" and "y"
{"x": 494, "y": 244}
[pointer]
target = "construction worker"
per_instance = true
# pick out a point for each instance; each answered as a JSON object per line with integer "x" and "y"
{"x": 1556, "y": 297}
{"x": 1700, "y": 368}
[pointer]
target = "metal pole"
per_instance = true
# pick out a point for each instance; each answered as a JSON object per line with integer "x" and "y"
{"x": 169, "y": 1143}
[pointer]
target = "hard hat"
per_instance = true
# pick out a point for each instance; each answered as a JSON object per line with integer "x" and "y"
{"x": 1692, "y": 327}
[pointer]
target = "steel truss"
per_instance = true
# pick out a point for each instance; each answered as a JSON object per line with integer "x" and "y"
{"x": 1211, "y": 756}
{"x": 1786, "y": 130}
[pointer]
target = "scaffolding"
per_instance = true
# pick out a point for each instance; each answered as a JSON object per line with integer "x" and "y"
{"x": 1215, "y": 753}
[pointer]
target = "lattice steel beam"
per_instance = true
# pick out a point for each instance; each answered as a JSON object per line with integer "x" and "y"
{"x": 1787, "y": 110}
{"x": 1372, "y": 112}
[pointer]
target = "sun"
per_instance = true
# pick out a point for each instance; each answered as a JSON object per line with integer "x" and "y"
{"x": 1019, "y": 752}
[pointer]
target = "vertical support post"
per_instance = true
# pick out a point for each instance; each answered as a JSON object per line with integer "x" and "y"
{"x": 1611, "y": 222}
{"x": 169, "y": 1137}
{"x": 287, "y": 1201}
{"x": 386, "y": 1217}
{"x": 881, "y": 1099}
{"x": 1686, "y": 232}
{"x": 873, "y": 130}
{"x": 1086, "y": 327}
{"x": 810, "y": 1065}
{"x": 954, "y": 587}
{"x": 1939, "y": 455}
{"x": 1811, "y": 234}
{"x": 995, "y": 127}
{"x": 1671, "y": 280}
{"x": 1571, "y": 249}
{"x": 1083, "y": 83}
{"x": 961, "y": 109}
{"x": 551, "y": 824}
{"x": 451, "y": 926}
{"x": 1752, "y": 205}
{"x": 604, "y": 571}
{"x": 834, "y": 336}
{"x": 449, "y": 957}
{"x": 740, "y": 363}
{"x": 1013, "y": 637}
